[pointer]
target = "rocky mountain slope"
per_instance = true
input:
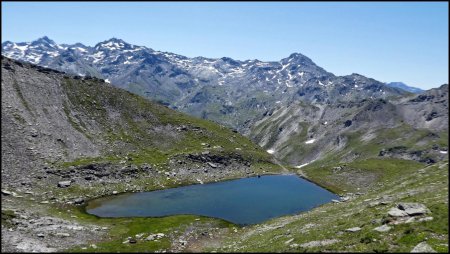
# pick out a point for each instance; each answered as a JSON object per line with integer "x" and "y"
{"x": 51, "y": 119}
{"x": 232, "y": 92}
{"x": 68, "y": 138}
{"x": 413, "y": 127}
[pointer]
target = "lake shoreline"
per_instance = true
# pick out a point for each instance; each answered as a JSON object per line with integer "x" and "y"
{"x": 238, "y": 197}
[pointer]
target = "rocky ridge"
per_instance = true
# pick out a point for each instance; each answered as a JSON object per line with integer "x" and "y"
{"x": 412, "y": 127}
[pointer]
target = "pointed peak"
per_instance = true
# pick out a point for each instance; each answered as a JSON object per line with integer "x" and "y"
{"x": 229, "y": 60}
{"x": 113, "y": 44}
{"x": 78, "y": 44}
{"x": 298, "y": 58}
{"x": 357, "y": 75}
{"x": 43, "y": 43}
{"x": 45, "y": 40}
{"x": 5, "y": 43}
{"x": 114, "y": 39}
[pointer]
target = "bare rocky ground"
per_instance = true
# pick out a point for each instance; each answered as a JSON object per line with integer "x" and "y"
{"x": 28, "y": 227}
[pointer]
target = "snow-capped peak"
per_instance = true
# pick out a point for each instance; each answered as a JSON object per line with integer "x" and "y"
{"x": 45, "y": 41}
{"x": 113, "y": 44}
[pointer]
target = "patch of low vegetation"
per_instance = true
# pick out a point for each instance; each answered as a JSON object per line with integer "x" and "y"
{"x": 7, "y": 215}
{"x": 361, "y": 174}
{"x": 22, "y": 98}
{"x": 131, "y": 234}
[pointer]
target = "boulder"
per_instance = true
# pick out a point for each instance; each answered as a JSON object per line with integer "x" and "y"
{"x": 6, "y": 193}
{"x": 423, "y": 247}
{"x": 413, "y": 208}
{"x": 383, "y": 228}
{"x": 395, "y": 212}
{"x": 345, "y": 198}
{"x": 425, "y": 219}
{"x": 354, "y": 229}
{"x": 318, "y": 243}
{"x": 212, "y": 165}
{"x": 150, "y": 237}
{"x": 78, "y": 201}
{"x": 64, "y": 184}
{"x": 289, "y": 241}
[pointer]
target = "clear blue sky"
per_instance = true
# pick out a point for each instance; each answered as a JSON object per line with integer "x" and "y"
{"x": 405, "y": 42}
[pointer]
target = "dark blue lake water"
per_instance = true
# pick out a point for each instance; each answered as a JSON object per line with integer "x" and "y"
{"x": 243, "y": 201}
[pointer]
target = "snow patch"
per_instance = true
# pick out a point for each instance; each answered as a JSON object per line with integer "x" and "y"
{"x": 113, "y": 45}
{"x": 290, "y": 76}
{"x": 34, "y": 58}
{"x": 53, "y": 54}
{"x": 98, "y": 56}
{"x": 133, "y": 50}
{"x": 283, "y": 67}
{"x": 81, "y": 49}
{"x": 443, "y": 152}
{"x": 271, "y": 151}
{"x": 310, "y": 141}
{"x": 21, "y": 48}
{"x": 301, "y": 166}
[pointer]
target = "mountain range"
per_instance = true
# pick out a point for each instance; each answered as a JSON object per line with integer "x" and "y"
{"x": 231, "y": 92}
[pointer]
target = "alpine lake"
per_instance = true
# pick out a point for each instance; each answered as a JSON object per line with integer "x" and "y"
{"x": 243, "y": 201}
